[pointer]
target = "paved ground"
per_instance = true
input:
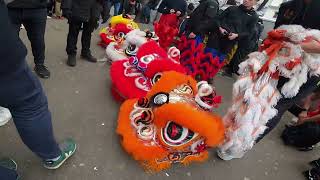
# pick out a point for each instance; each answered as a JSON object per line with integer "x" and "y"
{"x": 83, "y": 108}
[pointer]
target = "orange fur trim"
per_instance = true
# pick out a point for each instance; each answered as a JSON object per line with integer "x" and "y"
{"x": 153, "y": 166}
{"x": 208, "y": 125}
{"x": 171, "y": 80}
{"x": 200, "y": 158}
{"x": 130, "y": 141}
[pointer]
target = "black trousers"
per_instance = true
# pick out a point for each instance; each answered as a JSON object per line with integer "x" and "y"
{"x": 238, "y": 58}
{"x": 285, "y": 104}
{"x": 106, "y": 7}
{"x": 74, "y": 29}
{"x": 34, "y": 20}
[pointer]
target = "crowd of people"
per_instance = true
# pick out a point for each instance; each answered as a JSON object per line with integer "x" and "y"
{"x": 230, "y": 34}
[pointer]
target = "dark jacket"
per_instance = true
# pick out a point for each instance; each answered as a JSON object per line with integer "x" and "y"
{"x": 28, "y": 4}
{"x": 12, "y": 50}
{"x": 203, "y": 15}
{"x": 239, "y": 20}
{"x": 235, "y": 19}
{"x": 152, "y": 4}
{"x": 298, "y": 12}
{"x": 82, "y": 10}
{"x": 177, "y": 5}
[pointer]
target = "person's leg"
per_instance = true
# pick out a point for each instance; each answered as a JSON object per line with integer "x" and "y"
{"x": 15, "y": 16}
{"x": 49, "y": 7}
{"x": 58, "y": 11}
{"x": 105, "y": 10}
{"x": 34, "y": 20}
{"x": 122, "y": 5}
{"x": 24, "y": 97}
{"x": 86, "y": 41}
{"x": 74, "y": 28}
{"x": 116, "y": 7}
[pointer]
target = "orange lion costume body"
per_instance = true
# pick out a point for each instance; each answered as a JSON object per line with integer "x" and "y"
{"x": 168, "y": 125}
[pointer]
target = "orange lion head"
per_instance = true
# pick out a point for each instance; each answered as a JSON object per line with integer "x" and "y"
{"x": 168, "y": 125}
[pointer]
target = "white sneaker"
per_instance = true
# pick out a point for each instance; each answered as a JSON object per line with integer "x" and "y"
{"x": 227, "y": 157}
{"x": 5, "y": 116}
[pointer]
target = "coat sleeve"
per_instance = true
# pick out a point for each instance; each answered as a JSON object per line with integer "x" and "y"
{"x": 223, "y": 15}
{"x": 249, "y": 28}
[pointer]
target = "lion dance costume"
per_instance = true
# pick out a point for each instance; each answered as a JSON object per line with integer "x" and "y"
{"x": 168, "y": 125}
{"x": 255, "y": 93}
{"x": 133, "y": 77}
{"x": 129, "y": 46}
{"x": 167, "y": 29}
{"x": 199, "y": 63}
{"x": 118, "y": 27}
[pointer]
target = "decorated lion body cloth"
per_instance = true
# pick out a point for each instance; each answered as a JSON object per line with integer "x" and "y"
{"x": 168, "y": 125}
{"x": 256, "y": 92}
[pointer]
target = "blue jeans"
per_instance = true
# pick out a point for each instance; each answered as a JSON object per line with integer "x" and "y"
{"x": 116, "y": 7}
{"x": 22, "y": 93}
{"x": 34, "y": 20}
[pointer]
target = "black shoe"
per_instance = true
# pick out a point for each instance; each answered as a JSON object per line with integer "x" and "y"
{"x": 226, "y": 74}
{"x": 306, "y": 149}
{"x": 312, "y": 174}
{"x": 72, "y": 61}
{"x": 315, "y": 163}
{"x": 89, "y": 58}
{"x": 42, "y": 71}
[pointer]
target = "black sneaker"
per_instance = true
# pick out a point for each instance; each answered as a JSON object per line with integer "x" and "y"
{"x": 8, "y": 163}
{"x": 312, "y": 174}
{"x": 89, "y": 58}
{"x": 315, "y": 163}
{"x": 42, "y": 71}
{"x": 226, "y": 74}
{"x": 72, "y": 61}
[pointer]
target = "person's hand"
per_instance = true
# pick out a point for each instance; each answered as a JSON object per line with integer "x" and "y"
{"x": 223, "y": 31}
{"x": 312, "y": 46}
{"x": 172, "y": 11}
{"x": 302, "y": 117}
{"x": 178, "y": 13}
{"x": 233, "y": 36}
{"x": 192, "y": 35}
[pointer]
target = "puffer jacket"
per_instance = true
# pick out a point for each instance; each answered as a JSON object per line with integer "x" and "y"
{"x": 203, "y": 15}
{"x": 82, "y": 10}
